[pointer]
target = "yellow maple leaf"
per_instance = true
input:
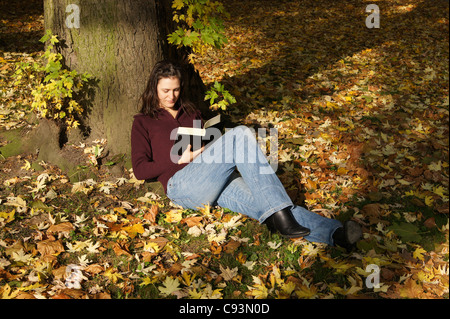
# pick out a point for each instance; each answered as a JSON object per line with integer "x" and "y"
{"x": 6, "y": 293}
{"x": 147, "y": 281}
{"x": 305, "y": 292}
{"x": 258, "y": 291}
{"x": 188, "y": 278}
{"x": 288, "y": 288}
{"x": 151, "y": 247}
{"x": 194, "y": 294}
{"x": 205, "y": 210}
{"x": 425, "y": 276}
{"x": 440, "y": 191}
{"x": 418, "y": 253}
{"x": 341, "y": 266}
{"x": 7, "y": 217}
{"x": 31, "y": 287}
{"x": 134, "y": 230}
{"x": 120, "y": 210}
{"x": 275, "y": 277}
{"x": 171, "y": 285}
{"x": 435, "y": 166}
{"x": 335, "y": 289}
{"x": 174, "y": 216}
{"x": 342, "y": 171}
{"x": 112, "y": 275}
{"x": 26, "y": 166}
{"x": 429, "y": 201}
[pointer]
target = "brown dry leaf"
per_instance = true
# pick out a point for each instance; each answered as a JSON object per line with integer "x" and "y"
{"x": 50, "y": 259}
{"x": 151, "y": 213}
{"x": 231, "y": 246}
{"x": 147, "y": 256}
{"x": 114, "y": 226}
{"x": 73, "y": 293}
{"x": 192, "y": 221}
{"x": 193, "y": 256}
{"x": 410, "y": 289}
{"x": 49, "y": 247}
{"x": 310, "y": 184}
{"x": 387, "y": 274}
{"x": 372, "y": 212}
{"x": 63, "y": 228}
{"x": 216, "y": 249}
{"x": 161, "y": 241}
{"x": 323, "y": 164}
{"x": 59, "y": 273}
{"x": 25, "y": 295}
{"x": 94, "y": 269}
{"x": 102, "y": 295}
{"x": 119, "y": 251}
{"x": 175, "y": 269}
{"x": 61, "y": 296}
{"x": 415, "y": 171}
{"x": 430, "y": 223}
{"x": 305, "y": 262}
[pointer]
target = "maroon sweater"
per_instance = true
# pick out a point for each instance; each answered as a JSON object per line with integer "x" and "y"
{"x": 151, "y": 144}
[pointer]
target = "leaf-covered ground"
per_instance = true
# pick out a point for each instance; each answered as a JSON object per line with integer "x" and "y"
{"x": 362, "y": 117}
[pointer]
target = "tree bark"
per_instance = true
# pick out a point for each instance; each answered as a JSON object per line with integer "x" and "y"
{"x": 117, "y": 42}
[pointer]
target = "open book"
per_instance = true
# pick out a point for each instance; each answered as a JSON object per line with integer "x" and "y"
{"x": 197, "y": 137}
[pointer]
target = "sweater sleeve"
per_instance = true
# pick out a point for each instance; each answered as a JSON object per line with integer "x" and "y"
{"x": 141, "y": 153}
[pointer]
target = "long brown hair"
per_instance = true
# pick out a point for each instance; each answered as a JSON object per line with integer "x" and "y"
{"x": 149, "y": 99}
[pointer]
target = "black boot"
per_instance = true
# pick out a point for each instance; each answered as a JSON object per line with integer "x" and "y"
{"x": 284, "y": 222}
{"x": 347, "y": 236}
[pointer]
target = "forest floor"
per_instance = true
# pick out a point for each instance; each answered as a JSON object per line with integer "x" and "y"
{"x": 362, "y": 119}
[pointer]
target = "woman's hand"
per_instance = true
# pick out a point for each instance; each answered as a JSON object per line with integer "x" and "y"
{"x": 189, "y": 156}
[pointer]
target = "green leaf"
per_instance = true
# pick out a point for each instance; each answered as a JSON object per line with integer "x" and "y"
{"x": 367, "y": 98}
{"x": 211, "y": 95}
{"x": 177, "y": 4}
{"x": 54, "y": 39}
{"x": 46, "y": 36}
{"x": 408, "y": 232}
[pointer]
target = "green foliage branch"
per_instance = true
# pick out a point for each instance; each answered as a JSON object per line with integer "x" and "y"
{"x": 223, "y": 97}
{"x": 200, "y": 27}
{"x": 56, "y": 91}
{"x": 199, "y": 24}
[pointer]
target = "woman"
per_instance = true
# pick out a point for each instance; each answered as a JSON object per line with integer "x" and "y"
{"x": 231, "y": 172}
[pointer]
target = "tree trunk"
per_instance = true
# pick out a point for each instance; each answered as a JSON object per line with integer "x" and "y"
{"x": 117, "y": 42}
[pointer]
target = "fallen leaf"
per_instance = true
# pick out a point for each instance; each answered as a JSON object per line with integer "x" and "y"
{"x": 231, "y": 246}
{"x": 94, "y": 269}
{"x": 119, "y": 251}
{"x": 49, "y": 247}
{"x": 170, "y": 285}
{"x": 192, "y": 221}
{"x": 410, "y": 289}
{"x": 134, "y": 230}
{"x": 173, "y": 216}
{"x": 418, "y": 253}
{"x": 430, "y": 222}
{"x": 112, "y": 274}
{"x": 151, "y": 213}
{"x": 62, "y": 228}
{"x": 7, "y": 217}
{"x": 227, "y": 273}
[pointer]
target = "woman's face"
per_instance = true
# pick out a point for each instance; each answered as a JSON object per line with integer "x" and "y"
{"x": 168, "y": 92}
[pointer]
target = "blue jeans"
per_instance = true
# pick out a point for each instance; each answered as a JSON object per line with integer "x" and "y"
{"x": 253, "y": 190}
